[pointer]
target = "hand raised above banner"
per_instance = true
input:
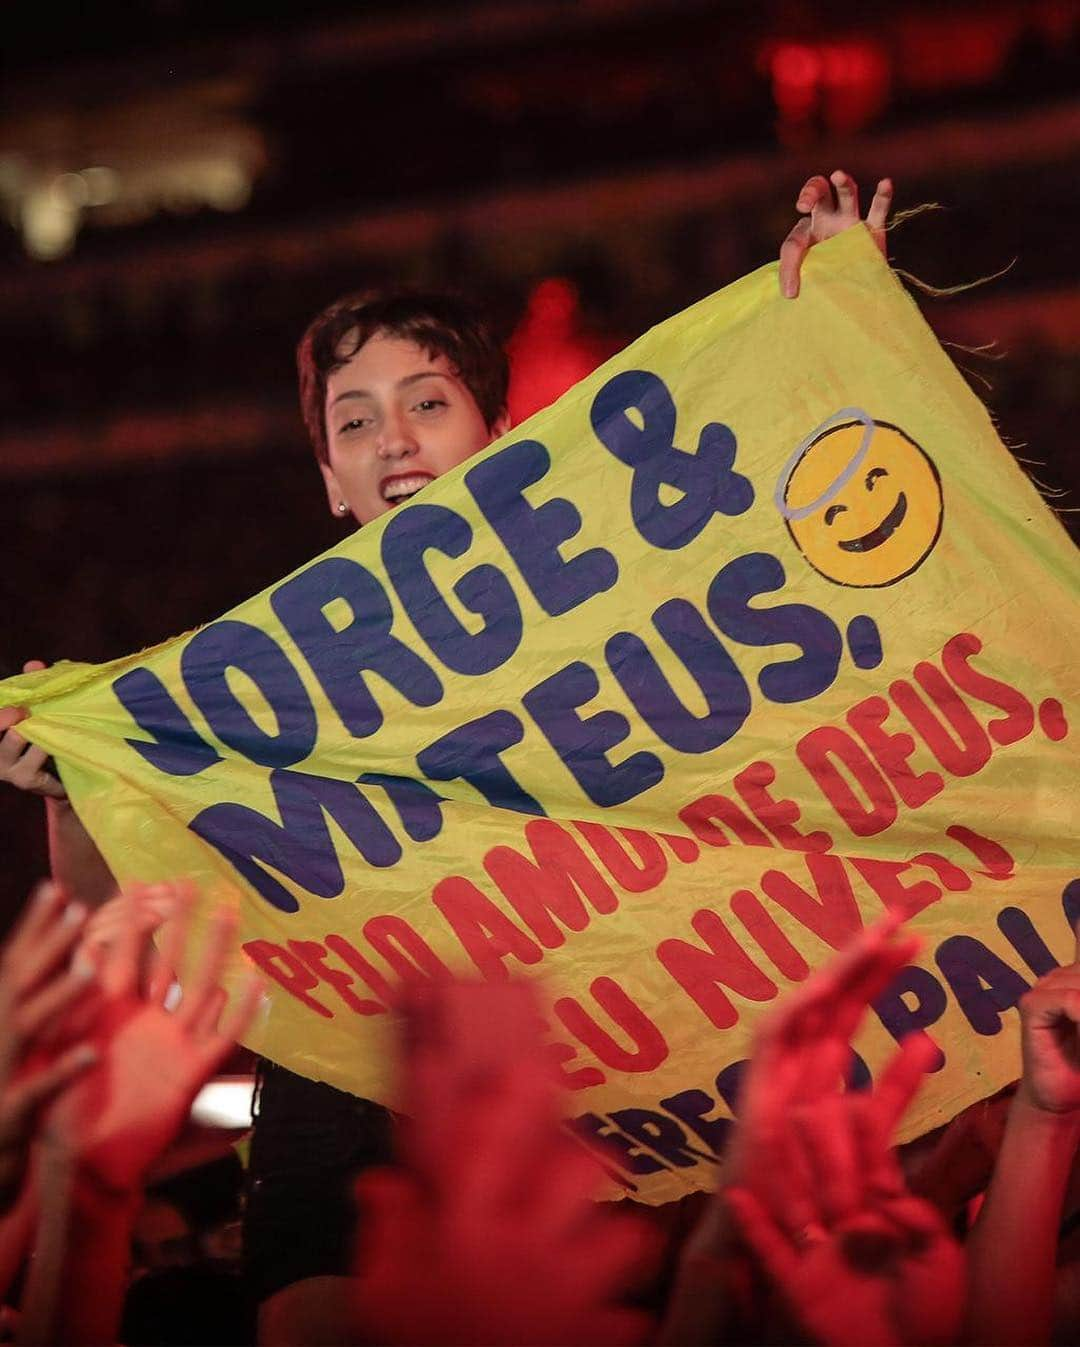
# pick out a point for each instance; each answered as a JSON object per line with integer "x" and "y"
{"x": 828, "y": 207}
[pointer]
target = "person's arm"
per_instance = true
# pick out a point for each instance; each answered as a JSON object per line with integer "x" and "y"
{"x": 17, "y": 1227}
{"x": 1013, "y": 1245}
{"x": 74, "y": 858}
{"x": 82, "y": 1251}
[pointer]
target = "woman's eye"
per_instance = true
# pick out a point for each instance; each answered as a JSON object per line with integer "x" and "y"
{"x": 429, "y": 404}
{"x": 357, "y": 423}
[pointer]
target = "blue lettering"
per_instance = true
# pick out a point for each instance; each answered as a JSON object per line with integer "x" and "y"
{"x": 984, "y": 985}
{"x": 713, "y": 669}
{"x": 205, "y": 663}
{"x": 417, "y": 805}
{"x": 707, "y": 480}
{"x": 1017, "y": 928}
{"x": 817, "y": 636}
{"x": 300, "y": 846}
{"x": 583, "y": 742}
{"x": 177, "y": 749}
{"x": 532, "y": 534}
{"x": 901, "y": 1018}
{"x": 339, "y": 658}
{"x": 471, "y": 753}
{"x": 484, "y": 591}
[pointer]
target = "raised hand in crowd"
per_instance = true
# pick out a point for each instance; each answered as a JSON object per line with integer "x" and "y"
{"x": 489, "y": 1233}
{"x": 828, "y": 206}
{"x": 144, "y": 907}
{"x": 1013, "y": 1245}
{"x": 100, "y": 1137}
{"x": 812, "y": 1181}
{"x": 40, "y": 994}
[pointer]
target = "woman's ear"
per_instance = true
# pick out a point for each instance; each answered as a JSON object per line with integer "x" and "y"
{"x": 334, "y": 496}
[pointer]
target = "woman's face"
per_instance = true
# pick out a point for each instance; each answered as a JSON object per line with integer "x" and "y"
{"x": 396, "y": 418}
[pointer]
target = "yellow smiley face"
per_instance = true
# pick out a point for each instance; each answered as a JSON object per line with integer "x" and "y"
{"x": 863, "y": 504}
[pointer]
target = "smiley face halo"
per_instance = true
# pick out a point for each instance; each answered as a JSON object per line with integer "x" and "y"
{"x": 861, "y": 500}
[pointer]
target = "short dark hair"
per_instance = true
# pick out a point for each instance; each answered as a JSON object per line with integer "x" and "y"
{"x": 441, "y": 324}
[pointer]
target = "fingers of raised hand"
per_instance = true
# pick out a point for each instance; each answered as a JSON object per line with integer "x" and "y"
{"x": 916, "y": 1218}
{"x": 46, "y": 933}
{"x": 814, "y": 192}
{"x": 792, "y": 251}
{"x": 175, "y": 937}
{"x": 878, "y": 214}
{"x": 833, "y": 1177}
{"x": 35, "y": 1088}
{"x": 201, "y": 978}
{"x": 1054, "y": 998}
{"x": 900, "y": 1080}
{"x": 42, "y": 1017}
{"x": 777, "y": 1255}
{"x": 22, "y": 763}
{"x": 235, "y": 1023}
{"x": 847, "y": 195}
{"x": 834, "y": 999}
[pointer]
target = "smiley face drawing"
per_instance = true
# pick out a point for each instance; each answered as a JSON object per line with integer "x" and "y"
{"x": 861, "y": 500}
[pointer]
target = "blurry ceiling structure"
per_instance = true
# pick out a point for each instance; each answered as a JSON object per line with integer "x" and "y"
{"x": 185, "y": 185}
{"x": 121, "y": 163}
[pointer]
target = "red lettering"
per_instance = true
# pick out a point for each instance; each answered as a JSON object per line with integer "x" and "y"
{"x": 751, "y": 911}
{"x": 701, "y": 971}
{"x": 405, "y": 950}
{"x": 997, "y": 862}
{"x": 704, "y": 816}
{"x": 550, "y": 886}
{"x": 970, "y": 751}
{"x": 684, "y": 849}
{"x": 777, "y": 816}
{"x": 833, "y": 914}
{"x": 884, "y": 878}
{"x": 649, "y": 1048}
{"x": 1019, "y": 718}
{"x": 287, "y": 971}
{"x": 349, "y": 954}
{"x": 634, "y": 876}
{"x": 891, "y": 752}
{"x": 583, "y": 1078}
{"x": 315, "y": 956}
{"x": 816, "y": 752}
{"x": 487, "y": 935}
{"x": 951, "y": 876}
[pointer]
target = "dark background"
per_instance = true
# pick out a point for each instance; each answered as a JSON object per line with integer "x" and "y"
{"x": 260, "y": 158}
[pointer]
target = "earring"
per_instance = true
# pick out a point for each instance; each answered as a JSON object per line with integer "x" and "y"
{"x": 342, "y": 508}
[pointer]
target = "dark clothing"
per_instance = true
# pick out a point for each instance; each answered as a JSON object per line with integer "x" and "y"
{"x": 309, "y": 1143}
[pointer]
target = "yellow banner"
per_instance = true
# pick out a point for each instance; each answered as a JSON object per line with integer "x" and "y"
{"x": 755, "y": 632}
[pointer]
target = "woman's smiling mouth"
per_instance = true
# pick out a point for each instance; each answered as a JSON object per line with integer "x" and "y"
{"x": 403, "y": 486}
